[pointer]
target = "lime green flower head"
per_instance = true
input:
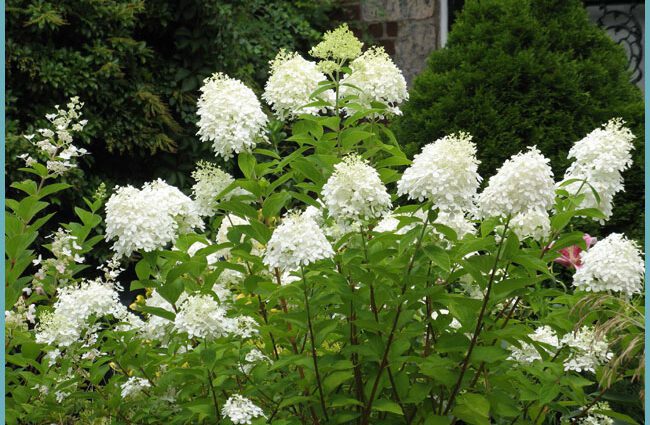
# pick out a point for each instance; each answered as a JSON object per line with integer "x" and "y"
{"x": 339, "y": 44}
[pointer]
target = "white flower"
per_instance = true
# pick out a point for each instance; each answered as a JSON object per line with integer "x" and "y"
{"x": 600, "y": 158}
{"x": 528, "y": 352}
{"x": 314, "y": 213}
{"x": 524, "y": 182}
{"x": 227, "y": 224}
{"x": 292, "y": 82}
{"x": 230, "y": 116}
{"x": 288, "y": 278}
{"x": 588, "y": 350}
{"x": 75, "y": 305}
{"x": 229, "y": 277}
{"x": 445, "y": 172}
{"x": 241, "y": 410}
{"x": 534, "y": 223}
{"x": 156, "y": 327}
{"x": 339, "y": 44}
{"x": 245, "y": 327}
{"x": 613, "y": 264}
{"x": 202, "y": 316}
{"x": 455, "y": 324}
{"x": 252, "y": 357}
{"x": 355, "y": 192}
{"x": 52, "y": 356}
{"x": 297, "y": 242}
{"x": 134, "y": 386}
{"x": 197, "y": 246}
{"x": 256, "y": 355}
{"x": 379, "y": 80}
{"x": 29, "y": 161}
{"x": 210, "y": 182}
{"x": 594, "y": 418}
{"x": 390, "y": 222}
{"x": 150, "y": 218}
{"x": 457, "y": 222}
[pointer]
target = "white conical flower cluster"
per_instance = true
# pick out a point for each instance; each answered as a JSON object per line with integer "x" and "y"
{"x": 297, "y": 242}
{"x": 355, "y": 192}
{"x": 390, "y": 222}
{"x": 445, "y": 173}
{"x": 528, "y": 352}
{"x": 588, "y": 350}
{"x": 613, "y": 264}
{"x": 378, "y": 79}
{"x": 293, "y": 80}
{"x": 338, "y": 45}
{"x": 149, "y": 218}
{"x": 230, "y": 116}
{"x": 534, "y": 223}
{"x": 202, "y": 316}
{"x": 523, "y": 189}
{"x": 457, "y": 221}
{"x": 134, "y": 386}
{"x": 241, "y": 410}
{"x": 594, "y": 418}
{"x": 600, "y": 158}
{"x": 210, "y": 182}
{"x": 76, "y": 304}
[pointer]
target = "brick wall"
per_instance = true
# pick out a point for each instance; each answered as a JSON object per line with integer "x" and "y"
{"x": 408, "y": 29}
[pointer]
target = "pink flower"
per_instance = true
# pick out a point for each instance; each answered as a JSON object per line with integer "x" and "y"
{"x": 570, "y": 257}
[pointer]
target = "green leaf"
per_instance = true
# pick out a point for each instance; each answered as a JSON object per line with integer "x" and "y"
{"x": 437, "y": 420}
{"x": 488, "y": 354}
{"x": 143, "y": 269}
{"x": 52, "y": 188}
{"x": 171, "y": 290}
{"x": 239, "y": 208}
{"x": 274, "y": 204}
{"x": 503, "y": 289}
{"x": 246, "y": 163}
{"x": 438, "y": 256}
{"x": 27, "y": 186}
{"x": 339, "y": 400}
{"x": 157, "y": 311}
{"x": 331, "y": 382}
{"x": 352, "y": 136}
{"x": 307, "y": 169}
{"x": 383, "y": 405}
{"x": 619, "y": 416}
{"x": 474, "y": 409}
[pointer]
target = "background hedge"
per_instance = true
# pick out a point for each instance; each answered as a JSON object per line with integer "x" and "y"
{"x": 516, "y": 73}
{"x": 138, "y": 66}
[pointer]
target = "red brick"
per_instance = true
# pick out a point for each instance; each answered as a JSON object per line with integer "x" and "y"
{"x": 389, "y": 46}
{"x": 391, "y": 29}
{"x": 376, "y": 30}
{"x": 352, "y": 12}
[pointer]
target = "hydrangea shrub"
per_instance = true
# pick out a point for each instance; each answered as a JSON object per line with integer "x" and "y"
{"x": 335, "y": 282}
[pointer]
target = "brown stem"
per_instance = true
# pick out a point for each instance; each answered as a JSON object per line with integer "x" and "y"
{"x": 313, "y": 347}
{"x": 585, "y": 410}
{"x": 214, "y": 395}
{"x": 266, "y": 322}
{"x": 358, "y": 377}
{"x": 479, "y": 323}
{"x": 391, "y": 336}
{"x": 294, "y": 346}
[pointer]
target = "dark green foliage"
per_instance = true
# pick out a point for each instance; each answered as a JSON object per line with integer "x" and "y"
{"x": 517, "y": 73}
{"x": 138, "y": 65}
